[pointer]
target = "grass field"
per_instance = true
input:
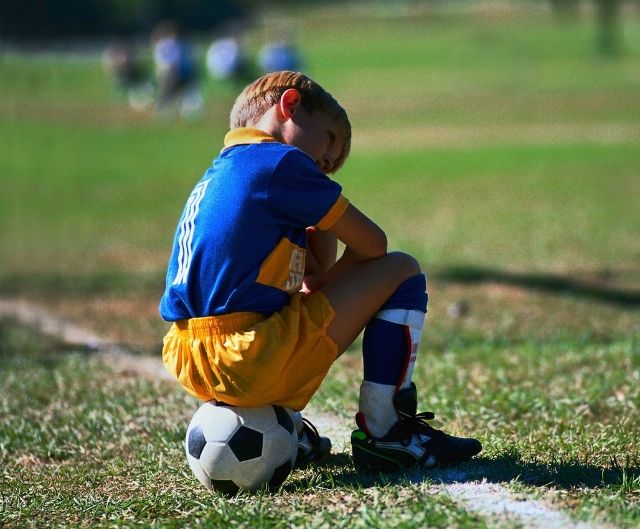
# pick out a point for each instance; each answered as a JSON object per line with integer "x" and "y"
{"x": 503, "y": 152}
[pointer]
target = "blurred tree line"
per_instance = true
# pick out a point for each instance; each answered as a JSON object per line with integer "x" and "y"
{"x": 28, "y": 20}
{"x": 608, "y": 20}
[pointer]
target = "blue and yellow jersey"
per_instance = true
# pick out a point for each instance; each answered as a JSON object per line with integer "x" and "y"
{"x": 241, "y": 240}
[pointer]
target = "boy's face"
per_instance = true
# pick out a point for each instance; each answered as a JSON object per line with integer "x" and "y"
{"x": 316, "y": 134}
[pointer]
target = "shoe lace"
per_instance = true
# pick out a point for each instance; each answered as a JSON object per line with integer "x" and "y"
{"x": 418, "y": 423}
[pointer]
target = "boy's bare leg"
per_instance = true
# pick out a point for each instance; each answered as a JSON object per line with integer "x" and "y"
{"x": 356, "y": 296}
{"x": 359, "y": 293}
{"x": 383, "y": 294}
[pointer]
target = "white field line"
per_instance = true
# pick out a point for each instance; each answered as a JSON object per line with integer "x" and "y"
{"x": 489, "y": 500}
{"x": 493, "y": 501}
{"x": 46, "y": 323}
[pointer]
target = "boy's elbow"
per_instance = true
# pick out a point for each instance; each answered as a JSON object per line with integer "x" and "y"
{"x": 372, "y": 246}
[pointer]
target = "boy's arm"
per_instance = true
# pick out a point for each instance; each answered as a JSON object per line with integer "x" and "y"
{"x": 322, "y": 251}
{"x": 363, "y": 239}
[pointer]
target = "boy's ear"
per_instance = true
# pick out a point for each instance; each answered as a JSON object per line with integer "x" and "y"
{"x": 288, "y": 102}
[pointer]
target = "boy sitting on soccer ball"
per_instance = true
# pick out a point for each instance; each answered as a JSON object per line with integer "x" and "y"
{"x": 260, "y": 306}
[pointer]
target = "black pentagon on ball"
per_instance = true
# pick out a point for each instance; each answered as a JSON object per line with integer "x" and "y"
{"x": 226, "y": 486}
{"x": 246, "y": 444}
{"x": 196, "y": 442}
{"x": 284, "y": 419}
{"x": 279, "y": 475}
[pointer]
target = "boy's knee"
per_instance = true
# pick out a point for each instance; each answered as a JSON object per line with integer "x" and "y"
{"x": 405, "y": 265}
{"x": 410, "y": 295}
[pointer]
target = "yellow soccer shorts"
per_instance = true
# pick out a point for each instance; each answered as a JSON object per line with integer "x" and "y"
{"x": 245, "y": 359}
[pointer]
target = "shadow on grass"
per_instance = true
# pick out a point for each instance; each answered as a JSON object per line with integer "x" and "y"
{"x": 595, "y": 288}
{"x": 554, "y": 283}
{"x": 21, "y": 346}
{"x": 340, "y": 473}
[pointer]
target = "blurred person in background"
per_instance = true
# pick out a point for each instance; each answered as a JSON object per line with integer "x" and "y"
{"x": 280, "y": 55}
{"x": 226, "y": 60}
{"x": 176, "y": 73}
{"x": 129, "y": 74}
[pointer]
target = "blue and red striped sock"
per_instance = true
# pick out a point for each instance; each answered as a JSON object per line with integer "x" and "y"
{"x": 389, "y": 349}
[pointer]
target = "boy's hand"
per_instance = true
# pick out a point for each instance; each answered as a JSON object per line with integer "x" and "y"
{"x": 312, "y": 282}
{"x": 320, "y": 256}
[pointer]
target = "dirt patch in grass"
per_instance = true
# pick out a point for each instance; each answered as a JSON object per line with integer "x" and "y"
{"x": 428, "y": 136}
{"x": 29, "y": 461}
{"x": 105, "y": 114}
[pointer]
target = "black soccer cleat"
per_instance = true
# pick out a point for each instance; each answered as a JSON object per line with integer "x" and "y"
{"x": 410, "y": 442}
{"x": 311, "y": 445}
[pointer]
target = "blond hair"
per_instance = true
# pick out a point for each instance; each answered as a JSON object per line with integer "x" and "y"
{"x": 259, "y": 96}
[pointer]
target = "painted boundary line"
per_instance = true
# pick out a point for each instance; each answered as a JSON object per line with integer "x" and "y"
{"x": 43, "y": 321}
{"x": 495, "y": 502}
{"x": 46, "y": 323}
{"x": 492, "y": 501}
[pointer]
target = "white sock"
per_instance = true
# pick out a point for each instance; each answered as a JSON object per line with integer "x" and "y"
{"x": 376, "y": 404}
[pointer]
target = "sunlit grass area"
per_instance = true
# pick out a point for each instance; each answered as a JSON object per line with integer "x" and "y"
{"x": 82, "y": 444}
{"x": 502, "y": 151}
{"x": 518, "y": 147}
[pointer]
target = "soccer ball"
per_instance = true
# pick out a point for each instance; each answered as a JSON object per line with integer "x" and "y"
{"x": 231, "y": 448}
